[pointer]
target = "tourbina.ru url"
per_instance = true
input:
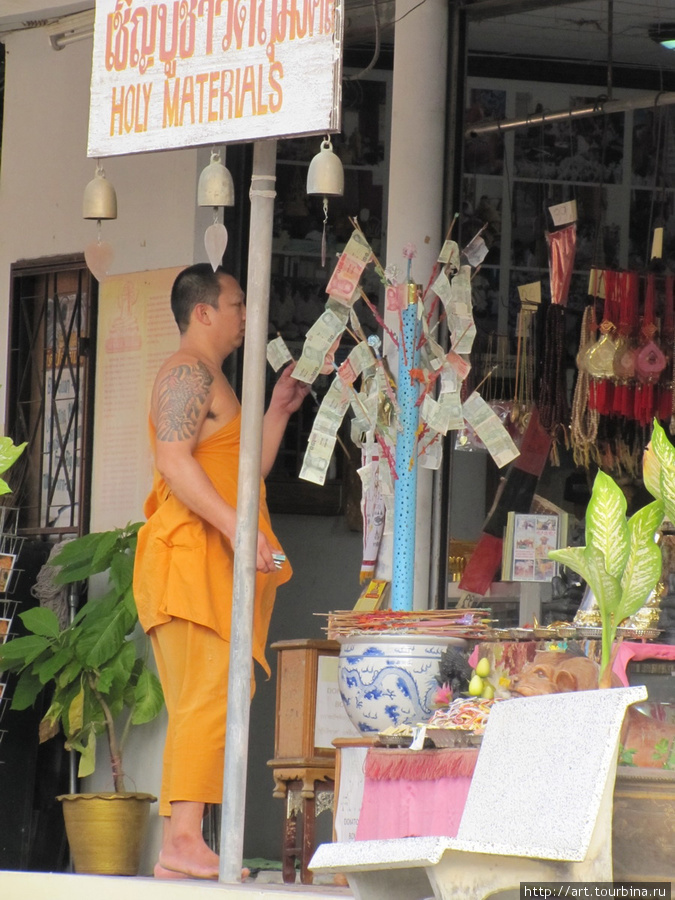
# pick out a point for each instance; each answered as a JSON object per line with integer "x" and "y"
{"x": 595, "y": 890}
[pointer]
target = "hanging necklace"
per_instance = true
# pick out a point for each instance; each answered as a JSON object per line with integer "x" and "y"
{"x": 650, "y": 360}
{"x": 584, "y": 422}
{"x": 600, "y": 358}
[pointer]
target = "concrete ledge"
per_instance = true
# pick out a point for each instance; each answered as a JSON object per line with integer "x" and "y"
{"x": 59, "y": 886}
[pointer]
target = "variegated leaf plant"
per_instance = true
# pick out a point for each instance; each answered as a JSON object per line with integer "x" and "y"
{"x": 621, "y": 561}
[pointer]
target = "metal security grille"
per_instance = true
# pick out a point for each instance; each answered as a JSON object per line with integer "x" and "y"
{"x": 50, "y": 393}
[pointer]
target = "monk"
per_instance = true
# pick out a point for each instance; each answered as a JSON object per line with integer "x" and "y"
{"x": 184, "y": 561}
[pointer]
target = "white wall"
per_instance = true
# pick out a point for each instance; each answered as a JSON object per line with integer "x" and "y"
{"x": 44, "y": 170}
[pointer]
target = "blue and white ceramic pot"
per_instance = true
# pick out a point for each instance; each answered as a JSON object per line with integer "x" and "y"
{"x": 390, "y": 679}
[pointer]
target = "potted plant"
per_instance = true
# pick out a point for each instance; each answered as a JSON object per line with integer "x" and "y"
{"x": 101, "y": 685}
{"x": 622, "y": 564}
{"x": 621, "y": 561}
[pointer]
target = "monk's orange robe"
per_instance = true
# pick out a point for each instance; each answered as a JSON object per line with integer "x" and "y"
{"x": 184, "y": 566}
{"x": 183, "y": 579}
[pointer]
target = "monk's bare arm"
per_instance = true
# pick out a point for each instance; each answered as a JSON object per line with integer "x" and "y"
{"x": 182, "y": 400}
{"x": 286, "y": 398}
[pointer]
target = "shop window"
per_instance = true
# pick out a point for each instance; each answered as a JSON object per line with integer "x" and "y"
{"x": 618, "y": 168}
{"x": 50, "y": 393}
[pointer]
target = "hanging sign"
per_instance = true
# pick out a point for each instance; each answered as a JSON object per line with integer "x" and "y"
{"x": 530, "y": 293}
{"x": 181, "y": 74}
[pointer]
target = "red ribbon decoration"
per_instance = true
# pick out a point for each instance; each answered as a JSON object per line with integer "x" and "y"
{"x": 561, "y": 249}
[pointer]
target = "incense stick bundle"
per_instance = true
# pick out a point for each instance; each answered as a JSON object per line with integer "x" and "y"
{"x": 455, "y": 623}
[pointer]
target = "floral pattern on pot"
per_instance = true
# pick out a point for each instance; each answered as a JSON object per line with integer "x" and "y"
{"x": 390, "y": 679}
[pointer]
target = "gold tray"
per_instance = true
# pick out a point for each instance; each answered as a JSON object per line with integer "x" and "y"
{"x": 394, "y": 740}
{"x": 559, "y": 632}
{"x": 453, "y": 737}
{"x": 647, "y": 634}
{"x": 567, "y": 632}
{"x": 496, "y": 634}
{"x": 589, "y": 632}
{"x": 521, "y": 634}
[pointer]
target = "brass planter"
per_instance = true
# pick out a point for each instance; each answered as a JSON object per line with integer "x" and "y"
{"x": 643, "y": 827}
{"x": 106, "y": 831}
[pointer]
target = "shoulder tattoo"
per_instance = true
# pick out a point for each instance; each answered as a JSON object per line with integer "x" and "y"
{"x": 181, "y": 396}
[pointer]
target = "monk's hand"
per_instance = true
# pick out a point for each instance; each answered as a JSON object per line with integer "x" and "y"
{"x": 265, "y": 556}
{"x": 288, "y": 392}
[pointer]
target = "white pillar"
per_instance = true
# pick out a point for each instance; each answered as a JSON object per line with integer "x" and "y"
{"x": 248, "y": 494}
{"x": 416, "y": 179}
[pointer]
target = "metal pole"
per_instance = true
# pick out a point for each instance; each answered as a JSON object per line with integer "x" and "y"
{"x": 442, "y": 477}
{"x": 245, "y": 543}
{"x": 73, "y": 603}
{"x": 601, "y": 107}
{"x": 610, "y": 48}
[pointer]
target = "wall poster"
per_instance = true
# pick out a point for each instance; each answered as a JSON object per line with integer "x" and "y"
{"x": 136, "y": 333}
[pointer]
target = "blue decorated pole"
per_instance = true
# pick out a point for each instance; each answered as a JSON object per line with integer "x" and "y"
{"x": 405, "y": 486}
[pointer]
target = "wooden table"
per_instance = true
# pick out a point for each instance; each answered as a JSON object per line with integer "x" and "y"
{"x": 304, "y": 773}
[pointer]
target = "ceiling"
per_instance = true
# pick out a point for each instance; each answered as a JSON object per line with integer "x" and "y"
{"x": 578, "y": 31}
{"x": 544, "y": 28}
{"x": 32, "y": 13}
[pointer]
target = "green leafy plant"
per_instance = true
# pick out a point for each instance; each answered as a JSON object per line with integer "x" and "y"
{"x": 100, "y": 679}
{"x": 621, "y": 561}
{"x": 664, "y": 753}
{"x": 626, "y": 757}
{"x": 9, "y": 453}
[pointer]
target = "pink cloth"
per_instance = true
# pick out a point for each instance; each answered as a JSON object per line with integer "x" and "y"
{"x": 633, "y": 650}
{"x": 394, "y": 809}
{"x": 409, "y": 793}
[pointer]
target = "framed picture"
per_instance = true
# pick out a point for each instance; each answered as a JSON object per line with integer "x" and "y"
{"x": 5, "y": 625}
{"x": 6, "y": 566}
{"x": 527, "y": 541}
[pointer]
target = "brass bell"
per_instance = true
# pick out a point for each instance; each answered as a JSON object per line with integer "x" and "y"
{"x": 100, "y": 199}
{"x": 325, "y": 175}
{"x": 215, "y": 187}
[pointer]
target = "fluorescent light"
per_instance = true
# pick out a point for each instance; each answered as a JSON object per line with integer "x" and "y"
{"x": 663, "y": 33}
{"x": 69, "y": 29}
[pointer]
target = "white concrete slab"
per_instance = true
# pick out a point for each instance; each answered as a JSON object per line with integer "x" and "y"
{"x": 539, "y": 808}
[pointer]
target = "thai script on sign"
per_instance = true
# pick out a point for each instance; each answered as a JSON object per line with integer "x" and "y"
{"x": 141, "y": 35}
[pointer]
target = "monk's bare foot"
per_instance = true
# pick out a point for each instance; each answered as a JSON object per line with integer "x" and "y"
{"x": 190, "y": 857}
{"x": 160, "y": 872}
